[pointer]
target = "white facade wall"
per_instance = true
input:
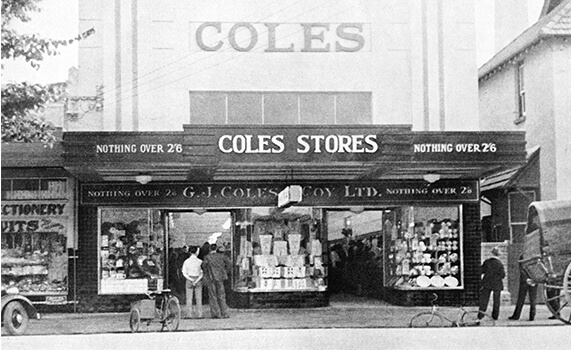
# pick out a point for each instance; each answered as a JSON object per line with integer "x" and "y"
{"x": 547, "y": 76}
{"x": 418, "y": 58}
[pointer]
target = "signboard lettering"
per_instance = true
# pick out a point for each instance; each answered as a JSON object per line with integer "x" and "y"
{"x": 305, "y": 144}
{"x": 142, "y": 148}
{"x": 280, "y": 37}
{"x": 457, "y": 148}
{"x": 267, "y": 194}
{"x": 33, "y": 209}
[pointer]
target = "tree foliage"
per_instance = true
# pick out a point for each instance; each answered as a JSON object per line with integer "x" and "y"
{"x": 22, "y": 103}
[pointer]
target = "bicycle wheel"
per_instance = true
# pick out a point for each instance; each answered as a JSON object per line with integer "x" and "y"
{"x": 172, "y": 314}
{"x": 135, "y": 320}
{"x": 427, "y": 319}
{"x": 470, "y": 319}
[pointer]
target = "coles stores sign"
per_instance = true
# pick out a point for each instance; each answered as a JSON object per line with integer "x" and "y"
{"x": 305, "y": 144}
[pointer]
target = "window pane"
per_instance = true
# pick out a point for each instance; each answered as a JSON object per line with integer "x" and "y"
{"x": 280, "y": 108}
{"x": 26, "y": 184}
{"x": 354, "y": 108}
{"x": 207, "y": 108}
{"x": 317, "y": 109}
{"x": 244, "y": 108}
{"x": 6, "y": 188}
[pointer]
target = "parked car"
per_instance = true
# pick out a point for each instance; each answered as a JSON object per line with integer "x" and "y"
{"x": 17, "y": 310}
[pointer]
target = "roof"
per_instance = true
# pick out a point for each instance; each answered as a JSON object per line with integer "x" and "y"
{"x": 555, "y": 23}
{"x": 553, "y": 212}
{"x": 36, "y": 154}
{"x": 508, "y": 178}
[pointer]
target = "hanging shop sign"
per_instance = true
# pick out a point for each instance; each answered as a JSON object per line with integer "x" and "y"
{"x": 290, "y": 195}
{"x": 267, "y": 194}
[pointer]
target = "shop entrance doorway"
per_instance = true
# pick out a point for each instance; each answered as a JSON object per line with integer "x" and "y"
{"x": 198, "y": 228}
{"x": 355, "y": 243}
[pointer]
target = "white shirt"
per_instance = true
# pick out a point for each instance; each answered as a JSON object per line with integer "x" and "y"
{"x": 192, "y": 267}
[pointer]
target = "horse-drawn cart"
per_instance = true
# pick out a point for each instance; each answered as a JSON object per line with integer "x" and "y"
{"x": 547, "y": 254}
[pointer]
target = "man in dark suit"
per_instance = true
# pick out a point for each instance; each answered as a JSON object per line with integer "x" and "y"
{"x": 216, "y": 268}
{"x": 525, "y": 289}
{"x": 493, "y": 274}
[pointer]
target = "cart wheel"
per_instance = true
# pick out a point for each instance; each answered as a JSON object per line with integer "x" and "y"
{"x": 470, "y": 319}
{"x": 15, "y": 318}
{"x": 427, "y": 319}
{"x": 567, "y": 284}
{"x": 558, "y": 298}
{"x": 172, "y": 314}
{"x": 135, "y": 320}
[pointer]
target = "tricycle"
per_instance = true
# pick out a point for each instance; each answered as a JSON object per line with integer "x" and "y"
{"x": 547, "y": 254}
{"x": 17, "y": 310}
{"x": 160, "y": 305}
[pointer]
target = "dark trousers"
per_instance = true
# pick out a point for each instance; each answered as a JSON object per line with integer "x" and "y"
{"x": 485, "y": 297}
{"x": 526, "y": 289}
{"x": 217, "y": 299}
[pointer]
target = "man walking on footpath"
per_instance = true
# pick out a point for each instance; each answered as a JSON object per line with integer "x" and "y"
{"x": 216, "y": 267}
{"x": 192, "y": 271}
{"x": 493, "y": 274}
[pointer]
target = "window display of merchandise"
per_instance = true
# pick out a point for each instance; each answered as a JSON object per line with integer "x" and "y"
{"x": 283, "y": 253}
{"x": 131, "y": 246}
{"x": 35, "y": 263}
{"x": 424, "y": 253}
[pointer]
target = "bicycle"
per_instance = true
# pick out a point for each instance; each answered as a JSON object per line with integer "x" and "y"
{"x": 435, "y": 318}
{"x": 161, "y": 305}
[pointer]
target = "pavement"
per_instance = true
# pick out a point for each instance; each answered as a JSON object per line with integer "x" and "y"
{"x": 354, "y": 312}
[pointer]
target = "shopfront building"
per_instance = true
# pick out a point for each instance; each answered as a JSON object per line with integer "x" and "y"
{"x": 38, "y": 224}
{"x": 301, "y": 212}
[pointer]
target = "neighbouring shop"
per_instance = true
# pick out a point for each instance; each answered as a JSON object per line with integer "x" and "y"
{"x": 383, "y": 211}
{"x": 38, "y": 224}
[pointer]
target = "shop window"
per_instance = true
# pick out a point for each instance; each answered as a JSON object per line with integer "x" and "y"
{"x": 36, "y": 220}
{"x": 131, "y": 250}
{"x": 34, "y": 262}
{"x": 279, "y": 250}
{"x": 423, "y": 247}
{"x": 521, "y": 93}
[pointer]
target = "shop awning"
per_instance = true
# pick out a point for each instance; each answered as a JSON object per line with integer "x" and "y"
{"x": 513, "y": 177}
{"x": 299, "y": 152}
